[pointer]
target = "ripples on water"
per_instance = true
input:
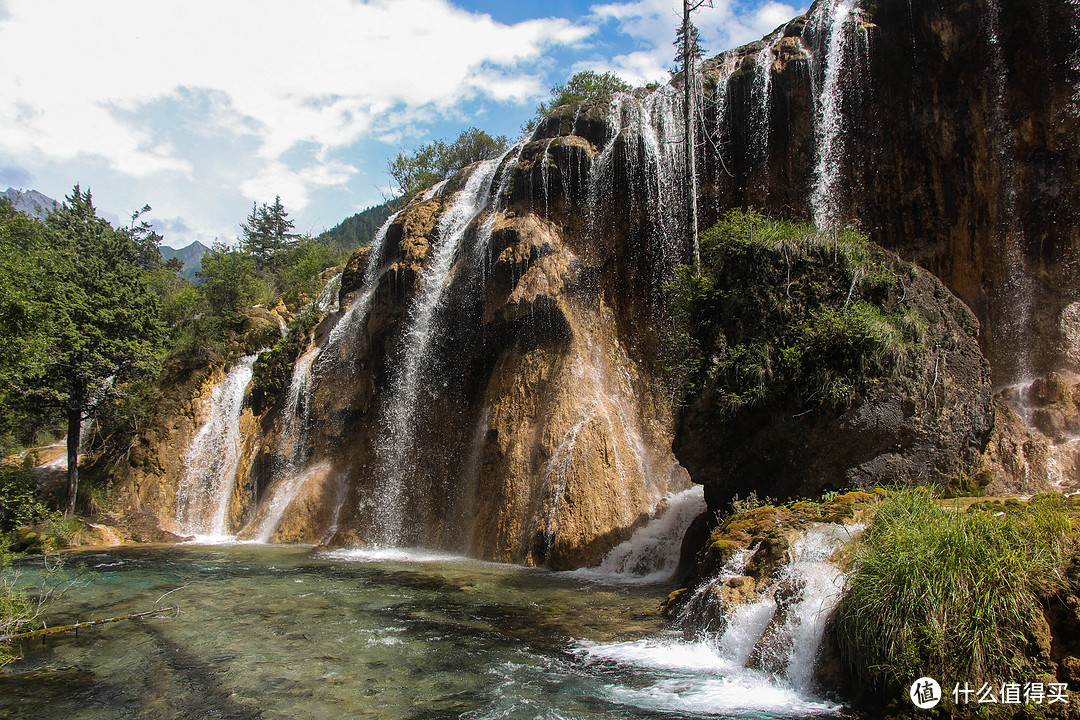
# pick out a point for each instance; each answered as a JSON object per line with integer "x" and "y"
{"x": 281, "y": 632}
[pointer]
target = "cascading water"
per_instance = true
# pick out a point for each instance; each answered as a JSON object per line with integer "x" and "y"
{"x": 396, "y": 446}
{"x": 291, "y": 476}
{"x": 760, "y": 658}
{"x": 653, "y": 147}
{"x": 213, "y": 458}
{"x": 328, "y": 296}
{"x": 354, "y": 318}
{"x": 828, "y": 35}
{"x": 761, "y": 115}
{"x": 292, "y": 446}
{"x": 651, "y": 555}
{"x": 718, "y": 138}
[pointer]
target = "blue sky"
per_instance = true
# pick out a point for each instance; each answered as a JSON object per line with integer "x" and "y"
{"x": 201, "y": 107}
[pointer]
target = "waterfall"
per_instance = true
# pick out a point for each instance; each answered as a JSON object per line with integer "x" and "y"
{"x": 653, "y": 147}
{"x": 601, "y": 392}
{"x": 828, "y": 36}
{"x": 727, "y": 67}
{"x": 760, "y": 116}
{"x": 328, "y": 296}
{"x": 355, "y": 317}
{"x": 396, "y": 446}
{"x": 286, "y": 491}
{"x": 760, "y": 659}
{"x": 487, "y": 227}
{"x": 213, "y": 458}
{"x": 779, "y": 632}
{"x": 652, "y": 552}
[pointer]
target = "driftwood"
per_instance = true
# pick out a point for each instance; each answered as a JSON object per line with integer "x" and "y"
{"x": 171, "y": 611}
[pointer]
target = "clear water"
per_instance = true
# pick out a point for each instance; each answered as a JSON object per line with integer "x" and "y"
{"x": 284, "y": 632}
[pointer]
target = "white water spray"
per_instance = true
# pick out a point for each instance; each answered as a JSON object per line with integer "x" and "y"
{"x": 213, "y": 459}
{"x": 829, "y": 118}
{"x": 396, "y": 447}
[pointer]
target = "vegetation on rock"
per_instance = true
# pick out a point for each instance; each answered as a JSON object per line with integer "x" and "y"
{"x": 586, "y": 86}
{"x": 946, "y": 593}
{"x": 439, "y": 159}
{"x": 785, "y": 314}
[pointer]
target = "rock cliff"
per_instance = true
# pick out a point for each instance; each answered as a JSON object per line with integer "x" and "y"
{"x": 493, "y": 379}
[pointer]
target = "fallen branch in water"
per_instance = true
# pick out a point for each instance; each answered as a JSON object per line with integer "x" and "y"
{"x": 163, "y": 613}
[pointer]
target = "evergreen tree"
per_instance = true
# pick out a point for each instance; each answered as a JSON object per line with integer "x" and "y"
{"x": 686, "y": 40}
{"x": 106, "y": 322}
{"x": 267, "y": 233}
{"x": 28, "y": 283}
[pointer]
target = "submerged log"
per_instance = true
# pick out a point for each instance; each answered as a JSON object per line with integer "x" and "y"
{"x": 44, "y": 631}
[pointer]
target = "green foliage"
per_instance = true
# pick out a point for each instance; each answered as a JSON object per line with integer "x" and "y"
{"x": 92, "y": 298}
{"x": 273, "y": 368}
{"x": 945, "y": 593}
{"x": 439, "y": 159}
{"x": 229, "y": 281}
{"x": 19, "y": 505}
{"x": 785, "y": 315}
{"x": 29, "y": 280}
{"x": 584, "y": 87}
{"x": 358, "y": 230}
{"x": 267, "y": 234}
{"x": 298, "y": 278}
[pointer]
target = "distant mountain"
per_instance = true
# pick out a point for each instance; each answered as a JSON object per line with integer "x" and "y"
{"x": 191, "y": 256}
{"x": 31, "y": 202}
{"x": 360, "y": 229}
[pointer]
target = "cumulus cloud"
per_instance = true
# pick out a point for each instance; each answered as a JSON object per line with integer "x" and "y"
{"x": 79, "y": 77}
{"x": 652, "y": 23}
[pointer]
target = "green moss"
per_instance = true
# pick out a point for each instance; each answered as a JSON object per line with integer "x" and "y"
{"x": 273, "y": 368}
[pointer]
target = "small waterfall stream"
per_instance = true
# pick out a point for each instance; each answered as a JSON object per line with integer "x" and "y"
{"x": 759, "y": 658}
{"x": 828, "y": 36}
{"x": 213, "y": 458}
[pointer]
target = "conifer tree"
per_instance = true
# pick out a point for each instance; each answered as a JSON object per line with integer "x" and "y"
{"x": 268, "y": 233}
{"x": 106, "y": 320}
{"x": 689, "y": 52}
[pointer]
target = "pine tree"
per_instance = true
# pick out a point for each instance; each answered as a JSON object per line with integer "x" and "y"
{"x": 267, "y": 234}
{"x": 690, "y": 52}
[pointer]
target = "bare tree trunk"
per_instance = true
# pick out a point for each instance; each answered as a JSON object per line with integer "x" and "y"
{"x": 689, "y": 115}
{"x": 73, "y": 440}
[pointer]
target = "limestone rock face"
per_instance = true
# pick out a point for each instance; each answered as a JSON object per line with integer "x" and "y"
{"x": 497, "y": 388}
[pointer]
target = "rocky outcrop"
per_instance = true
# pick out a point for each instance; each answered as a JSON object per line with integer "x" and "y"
{"x": 492, "y": 382}
{"x": 953, "y": 145}
{"x": 825, "y": 372}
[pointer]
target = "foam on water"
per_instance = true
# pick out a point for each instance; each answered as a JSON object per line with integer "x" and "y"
{"x": 696, "y": 677}
{"x": 651, "y": 554}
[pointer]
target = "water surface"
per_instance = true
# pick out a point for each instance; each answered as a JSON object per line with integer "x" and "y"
{"x": 284, "y": 632}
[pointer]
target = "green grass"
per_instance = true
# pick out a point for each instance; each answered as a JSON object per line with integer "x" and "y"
{"x": 951, "y": 594}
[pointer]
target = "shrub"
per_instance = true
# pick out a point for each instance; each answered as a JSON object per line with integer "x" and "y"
{"x": 786, "y": 315}
{"x": 950, "y": 594}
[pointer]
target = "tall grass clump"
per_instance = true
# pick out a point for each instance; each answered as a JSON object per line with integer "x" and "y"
{"x": 950, "y": 594}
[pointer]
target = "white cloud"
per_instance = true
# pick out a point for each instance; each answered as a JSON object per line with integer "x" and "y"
{"x": 322, "y": 75}
{"x": 653, "y": 23}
